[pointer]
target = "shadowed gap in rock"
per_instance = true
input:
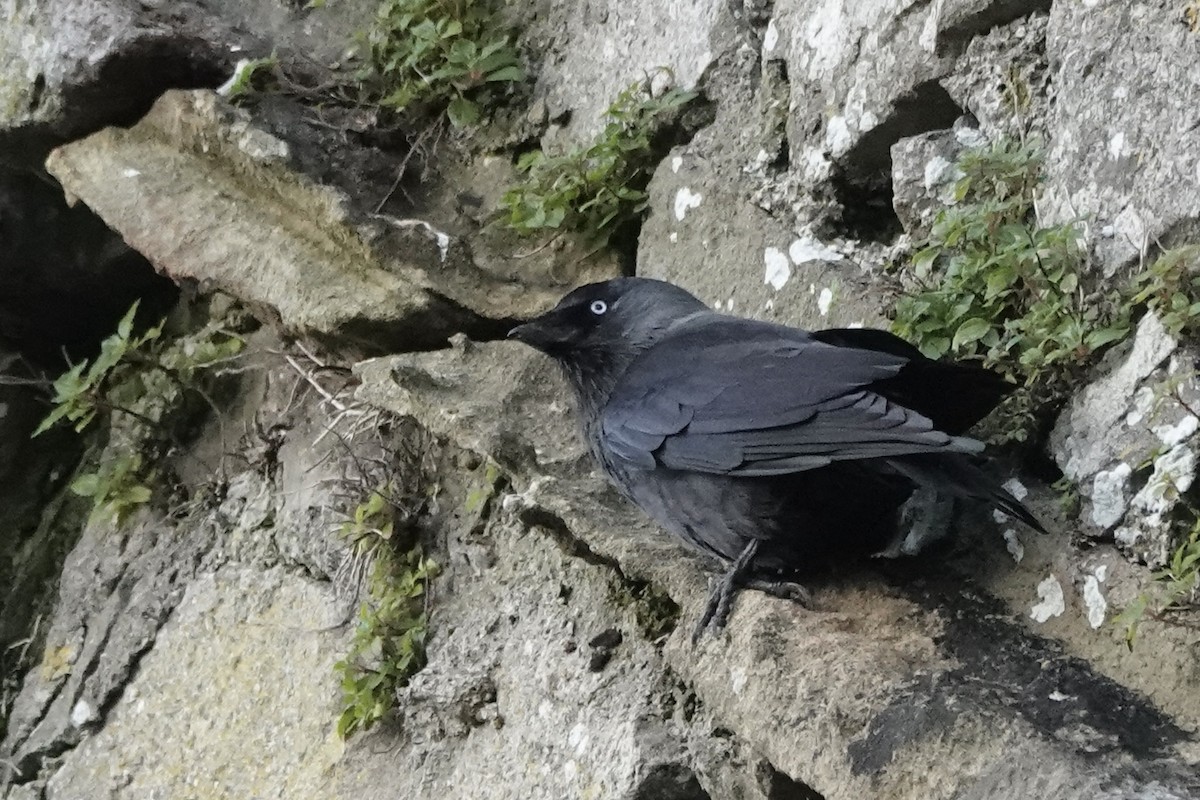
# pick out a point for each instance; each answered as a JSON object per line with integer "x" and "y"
{"x": 669, "y": 782}
{"x": 65, "y": 277}
{"x": 65, "y": 281}
{"x": 122, "y": 90}
{"x": 862, "y": 181}
{"x": 778, "y": 786}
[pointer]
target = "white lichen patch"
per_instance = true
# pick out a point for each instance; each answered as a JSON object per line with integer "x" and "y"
{"x": 578, "y": 738}
{"x": 824, "y": 301}
{"x": 686, "y": 199}
{"x": 674, "y": 237}
{"x": 676, "y": 163}
{"x": 1116, "y": 145}
{"x": 130, "y": 172}
{"x": 1013, "y": 545}
{"x": 1146, "y": 532}
{"x": 771, "y": 37}
{"x": 1174, "y": 472}
{"x": 837, "y": 136}
{"x": 779, "y": 269}
{"x": 1171, "y": 435}
{"x": 936, "y": 170}
{"x": 82, "y": 713}
{"x": 1094, "y": 602}
{"x": 737, "y": 680}
{"x": 806, "y": 249}
{"x": 1109, "y": 500}
{"x": 969, "y": 137}
{"x": 1050, "y": 600}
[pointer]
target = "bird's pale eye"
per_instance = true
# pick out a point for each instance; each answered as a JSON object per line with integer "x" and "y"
{"x": 598, "y": 307}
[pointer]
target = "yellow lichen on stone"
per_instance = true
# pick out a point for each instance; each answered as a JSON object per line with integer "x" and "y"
{"x": 57, "y": 662}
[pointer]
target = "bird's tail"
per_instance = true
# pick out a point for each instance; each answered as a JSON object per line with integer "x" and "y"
{"x": 957, "y": 474}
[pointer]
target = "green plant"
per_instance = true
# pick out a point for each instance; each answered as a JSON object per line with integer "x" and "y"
{"x": 80, "y": 392}
{"x": 246, "y": 74}
{"x": 388, "y": 646}
{"x": 145, "y": 379}
{"x": 592, "y": 190}
{"x": 116, "y": 487}
{"x": 1171, "y": 289}
{"x": 1174, "y": 591}
{"x": 994, "y": 286}
{"x": 450, "y": 54}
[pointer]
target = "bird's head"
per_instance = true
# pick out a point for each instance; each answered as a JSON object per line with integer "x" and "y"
{"x": 596, "y": 331}
{"x": 623, "y": 314}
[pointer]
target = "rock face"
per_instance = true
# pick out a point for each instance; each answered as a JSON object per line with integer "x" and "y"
{"x": 209, "y": 196}
{"x": 191, "y": 651}
{"x": 1125, "y": 91}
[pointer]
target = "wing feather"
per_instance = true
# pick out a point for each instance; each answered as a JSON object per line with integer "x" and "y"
{"x": 749, "y": 398}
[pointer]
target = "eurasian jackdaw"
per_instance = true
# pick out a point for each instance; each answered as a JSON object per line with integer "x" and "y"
{"x": 765, "y": 446}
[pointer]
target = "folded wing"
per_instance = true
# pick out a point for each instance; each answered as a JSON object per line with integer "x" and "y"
{"x": 748, "y": 398}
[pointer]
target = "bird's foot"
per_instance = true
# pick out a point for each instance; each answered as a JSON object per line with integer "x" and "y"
{"x": 784, "y": 590}
{"x": 720, "y": 599}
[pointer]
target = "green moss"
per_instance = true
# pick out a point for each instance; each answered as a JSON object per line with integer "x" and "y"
{"x": 656, "y": 613}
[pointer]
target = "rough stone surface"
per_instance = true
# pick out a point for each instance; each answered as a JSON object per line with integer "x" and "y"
{"x": 189, "y": 654}
{"x": 1140, "y": 412}
{"x": 208, "y": 195}
{"x": 1097, "y": 424}
{"x": 594, "y": 51}
{"x": 258, "y": 636}
{"x": 71, "y": 67}
{"x": 924, "y": 174}
{"x": 1126, "y": 91}
{"x": 867, "y": 659}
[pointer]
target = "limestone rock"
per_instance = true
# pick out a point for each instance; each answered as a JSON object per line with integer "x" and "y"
{"x": 71, "y": 67}
{"x": 1125, "y": 98}
{"x": 208, "y": 195}
{"x": 867, "y": 662}
{"x": 1139, "y": 413}
{"x": 924, "y": 174}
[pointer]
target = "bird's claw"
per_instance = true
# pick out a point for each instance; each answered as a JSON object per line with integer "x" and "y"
{"x": 784, "y": 590}
{"x": 720, "y": 600}
{"x": 716, "y": 610}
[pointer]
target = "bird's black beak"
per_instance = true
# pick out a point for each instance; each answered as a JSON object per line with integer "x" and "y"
{"x": 542, "y": 333}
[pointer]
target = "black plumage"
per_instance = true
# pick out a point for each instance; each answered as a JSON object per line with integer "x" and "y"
{"x": 766, "y": 446}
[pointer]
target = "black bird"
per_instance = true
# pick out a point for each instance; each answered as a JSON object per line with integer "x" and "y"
{"x": 765, "y": 446}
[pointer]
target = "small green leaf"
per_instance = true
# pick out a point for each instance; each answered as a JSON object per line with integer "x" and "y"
{"x": 462, "y": 112}
{"x": 86, "y": 485}
{"x": 970, "y": 331}
{"x": 512, "y": 74}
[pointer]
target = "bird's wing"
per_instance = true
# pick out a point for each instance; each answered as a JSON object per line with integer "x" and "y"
{"x": 747, "y": 398}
